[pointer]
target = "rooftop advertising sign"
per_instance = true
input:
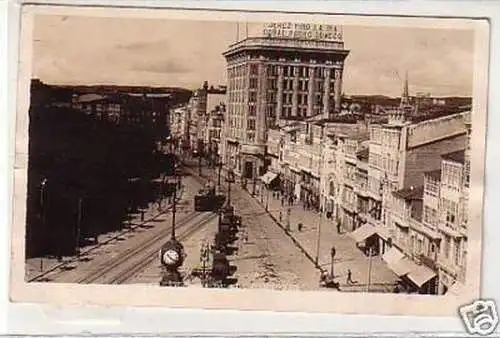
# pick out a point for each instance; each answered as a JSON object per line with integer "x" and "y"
{"x": 303, "y": 31}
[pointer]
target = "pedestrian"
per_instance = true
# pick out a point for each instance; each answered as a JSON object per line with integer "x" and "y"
{"x": 280, "y": 217}
{"x": 299, "y": 226}
{"x": 338, "y": 226}
{"x": 349, "y": 280}
{"x": 282, "y": 201}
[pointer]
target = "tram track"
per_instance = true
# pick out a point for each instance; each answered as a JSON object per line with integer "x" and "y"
{"x": 61, "y": 268}
{"x": 140, "y": 256}
{"x": 120, "y": 234}
{"x": 151, "y": 255}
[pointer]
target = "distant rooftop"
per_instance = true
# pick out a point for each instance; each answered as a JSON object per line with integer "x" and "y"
{"x": 411, "y": 193}
{"x": 90, "y": 98}
{"x": 456, "y": 156}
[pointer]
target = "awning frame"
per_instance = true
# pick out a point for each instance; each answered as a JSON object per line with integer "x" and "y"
{"x": 362, "y": 233}
{"x": 421, "y": 275}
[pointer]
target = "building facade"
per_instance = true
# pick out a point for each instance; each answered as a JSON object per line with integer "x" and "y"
{"x": 275, "y": 78}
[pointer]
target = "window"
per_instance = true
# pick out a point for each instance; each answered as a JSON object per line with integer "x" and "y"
{"x": 457, "y": 251}
{"x": 446, "y": 248}
{"x": 251, "y": 124}
{"x": 450, "y": 209}
{"x": 254, "y": 69}
{"x": 250, "y": 136}
{"x": 253, "y": 83}
{"x": 252, "y": 97}
{"x": 251, "y": 110}
{"x": 420, "y": 246}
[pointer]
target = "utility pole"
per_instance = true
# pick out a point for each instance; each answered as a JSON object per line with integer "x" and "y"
{"x": 229, "y": 181}
{"x": 267, "y": 197}
{"x": 254, "y": 183}
{"x": 288, "y": 212}
{"x": 333, "y": 252}
{"x": 42, "y": 205}
{"x": 370, "y": 252}
{"x": 219, "y": 173}
{"x": 318, "y": 240}
{"x": 78, "y": 227}
{"x": 174, "y": 206}
{"x": 199, "y": 163}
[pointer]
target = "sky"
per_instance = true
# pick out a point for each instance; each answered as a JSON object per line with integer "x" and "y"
{"x": 159, "y": 52}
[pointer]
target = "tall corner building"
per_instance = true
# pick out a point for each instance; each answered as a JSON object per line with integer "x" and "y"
{"x": 290, "y": 71}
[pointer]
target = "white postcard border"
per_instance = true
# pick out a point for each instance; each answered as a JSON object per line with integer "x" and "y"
{"x": 386, "y": 304}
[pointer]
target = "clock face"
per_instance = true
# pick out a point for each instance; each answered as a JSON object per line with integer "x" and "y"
{"x": 170, "y": 257}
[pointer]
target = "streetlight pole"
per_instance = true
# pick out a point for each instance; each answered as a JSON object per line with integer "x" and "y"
{"x": 254, "y": 183}
{"x": 219, "y": 164}
{"x": 267, "y": 197}
{"x": 78, "y": 227}
{"x": 229, "y": 181}
{"x": 174, "y": 204}
{"x": 318, "y": 240}
{"x": 199, "y": 163}
{"x": 333, "y": 252}
{"x": 288, "y": 212}
{"x": 370, "y": 252}
{"x": 42, "y": 205}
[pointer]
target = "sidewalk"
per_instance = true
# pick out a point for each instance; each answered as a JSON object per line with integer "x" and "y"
{"x": 37, "y": 265}
{"x": 348, "y": 256}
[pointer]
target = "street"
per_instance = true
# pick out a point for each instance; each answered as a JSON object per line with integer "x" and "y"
{"x": 267, "y": 255}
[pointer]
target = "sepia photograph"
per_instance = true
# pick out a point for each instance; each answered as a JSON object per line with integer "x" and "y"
{"x": 289, "y": 156}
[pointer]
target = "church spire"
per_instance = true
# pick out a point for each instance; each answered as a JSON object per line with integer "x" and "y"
{"x": 405, "y": 98}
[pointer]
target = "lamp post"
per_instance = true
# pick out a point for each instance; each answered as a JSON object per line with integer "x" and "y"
{"x": 230, "y": 179}
{"x": 78, "y": 227}
{"x": 333, "y": 252}
{"x": 254, "y": 183}
{"x": 370, "y": 252}
{"x": 288, "y": 212}
{"x": 219, "y": 164}
{"x": 267, "y": 197}
{"x": 42, "y": 205}
{"x": 172, "y": 253}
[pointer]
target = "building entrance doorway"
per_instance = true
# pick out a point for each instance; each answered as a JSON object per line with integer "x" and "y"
{"x": 248, "y": 170}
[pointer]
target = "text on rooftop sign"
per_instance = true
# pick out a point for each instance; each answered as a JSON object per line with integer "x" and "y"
{"x": 306, "y": 31}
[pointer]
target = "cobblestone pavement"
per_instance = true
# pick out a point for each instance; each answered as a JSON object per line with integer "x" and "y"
{"x": 266, "y": 257}
{"x": 348, "y": 256}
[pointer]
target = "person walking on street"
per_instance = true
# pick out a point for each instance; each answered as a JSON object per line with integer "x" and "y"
{"x": 338, "y": 226}
{"x": 349, "y": 280}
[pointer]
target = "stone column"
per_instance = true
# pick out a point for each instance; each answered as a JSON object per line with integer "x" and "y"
{"x": 295, "y": 94}
{"x": 279, "y": 95}
{"x": 338, "y": 88}
{"x": 326, "y": 93}
{"x": 310, "y": 94}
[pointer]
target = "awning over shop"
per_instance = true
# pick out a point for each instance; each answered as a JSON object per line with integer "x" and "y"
{"x": 402, "y": 266}
{"x": 456, "y": 289}
{"x": 420, "y": 275}
{"x": 268, "y": 177}
{"x": 392, "y": 256}
{"x": 363, "y": 232}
